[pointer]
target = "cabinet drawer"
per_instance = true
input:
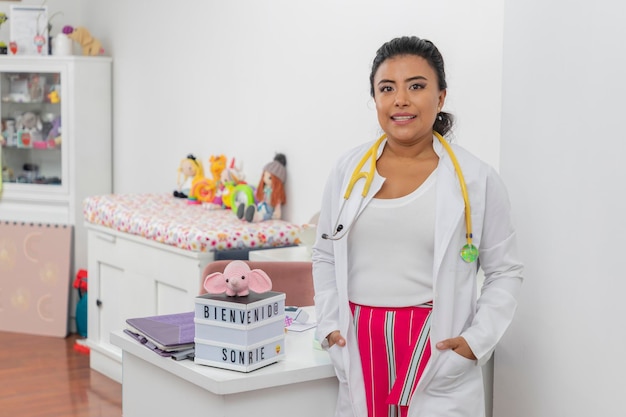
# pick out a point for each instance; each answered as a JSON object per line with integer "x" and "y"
{"x": 164, "y": 264}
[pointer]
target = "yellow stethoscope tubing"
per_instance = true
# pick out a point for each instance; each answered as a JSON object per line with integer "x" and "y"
{"x": 359, "y": 173}
{"x": 372, "y": 154}
{"x": 459, "y": 173}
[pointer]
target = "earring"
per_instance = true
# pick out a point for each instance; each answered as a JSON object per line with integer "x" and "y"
{"x": 439, "y": 117}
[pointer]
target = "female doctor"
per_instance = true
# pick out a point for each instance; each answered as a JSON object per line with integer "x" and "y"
{"x": 405, "y": 223}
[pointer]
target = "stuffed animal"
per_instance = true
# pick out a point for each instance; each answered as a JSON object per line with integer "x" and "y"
{"x": 270, "y": 194}
{"x": 80, "y": 35}
{"x": 237, "y": 280}
{"x": 204, "y": 190}
{"x": 54, "y": 97}
{"x": 54, "y": 135}
{"x": 29, "y": 129}
{"x": 229, "y": 179}
{"x": 189, "y": 170}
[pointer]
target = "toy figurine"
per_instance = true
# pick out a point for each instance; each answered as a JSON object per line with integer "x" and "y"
{"x": 80, "y": 35}
{"x": 54, "y": 97}
{"x": 237, "y": 280}
{"x": 54, "y": 135}
{"x": 270, "y": 194}
{"x": 189, "y": 170}
{"x": 205, "y": 190}
{"x": 232, "y": 176}
{"x": 29, "y": 130}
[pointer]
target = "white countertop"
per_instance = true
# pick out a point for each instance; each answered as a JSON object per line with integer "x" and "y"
{"x": 302, "y": 362}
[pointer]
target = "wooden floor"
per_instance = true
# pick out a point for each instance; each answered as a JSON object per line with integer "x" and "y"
{"x": 44, "y": 376}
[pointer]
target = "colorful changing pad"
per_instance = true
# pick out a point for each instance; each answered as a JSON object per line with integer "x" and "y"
{"x": 198, "y": 228}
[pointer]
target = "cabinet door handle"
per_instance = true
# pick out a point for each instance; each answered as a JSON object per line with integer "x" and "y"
{"x": 98, "y": 302}
{"x": 106, "y": 237}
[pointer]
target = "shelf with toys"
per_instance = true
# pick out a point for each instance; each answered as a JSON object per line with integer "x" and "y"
{"x": 56, "y": 136}
{"x": 31, "y": 127}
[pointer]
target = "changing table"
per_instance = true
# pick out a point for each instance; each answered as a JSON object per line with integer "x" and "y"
{"x": 146, "y": 253}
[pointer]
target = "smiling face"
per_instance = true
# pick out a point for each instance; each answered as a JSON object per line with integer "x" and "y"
{"x": 408, "y": 98}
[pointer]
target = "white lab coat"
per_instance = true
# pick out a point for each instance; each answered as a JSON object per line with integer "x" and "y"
{"x": 451, "y": 385}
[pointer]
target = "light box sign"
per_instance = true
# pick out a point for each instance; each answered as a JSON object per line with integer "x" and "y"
{"x": 239, "y": 333}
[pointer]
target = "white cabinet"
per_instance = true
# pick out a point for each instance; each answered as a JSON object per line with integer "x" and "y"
{"x": 47, "y": 172}
{"x": 130, "y": 276}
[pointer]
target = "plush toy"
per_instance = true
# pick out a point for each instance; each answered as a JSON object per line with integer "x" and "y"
{"x": 233, "y": 172}
{"x": 189, "y": 170}
{"x": 54, "y": 97}
{"x": 218, "y": 165}
{"x": 54, "y": 135}
{"x": 29, "y": 130}
{"x": 232, "y": 176}
{"x": 270, "y": 194}
{"x": 203, "y": 189}
{"x": 237, "y": 280}
{"x": 80, "y": 35}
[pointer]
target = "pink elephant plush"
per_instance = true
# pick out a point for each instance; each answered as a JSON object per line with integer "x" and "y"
{"x": 237, "y": 280}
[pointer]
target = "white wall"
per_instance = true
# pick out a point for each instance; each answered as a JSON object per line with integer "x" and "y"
{"x": 563, "y": 151}
{"x": 249, "y": 78}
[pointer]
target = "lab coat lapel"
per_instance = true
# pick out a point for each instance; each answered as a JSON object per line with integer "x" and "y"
{"x": 450, "y": 208}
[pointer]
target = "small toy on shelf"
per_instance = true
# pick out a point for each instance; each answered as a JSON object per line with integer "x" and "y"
{"x": 9, "y": 133}
{"x": 189, "y": 169}
{"x": 29, "y": 130}
{"x": 204, "y": 190}
{"x": 232, "y": 176}
{"x": 218, "y": 166}
{"x": 80, "y": 35}
{"x": 270, "y": 193}
{"x": 54, "y": 135}
{"x": 39, "y": 41}
{"x": 54, "y": 97}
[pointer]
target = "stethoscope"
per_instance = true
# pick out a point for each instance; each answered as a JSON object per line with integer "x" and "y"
{"x": 469, "y": 252}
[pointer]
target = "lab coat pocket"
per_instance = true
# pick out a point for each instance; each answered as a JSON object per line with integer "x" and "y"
{"x": 336, "y": 357}
{"x": 452, "y": 373}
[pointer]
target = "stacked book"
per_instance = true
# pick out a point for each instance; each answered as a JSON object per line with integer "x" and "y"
{"x": 168, "y": 335}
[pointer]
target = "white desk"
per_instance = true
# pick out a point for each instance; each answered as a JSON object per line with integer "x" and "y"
{"x": 302, "y": 384}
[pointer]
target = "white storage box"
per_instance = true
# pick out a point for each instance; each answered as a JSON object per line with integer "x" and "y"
{"x": 239, "y": 333}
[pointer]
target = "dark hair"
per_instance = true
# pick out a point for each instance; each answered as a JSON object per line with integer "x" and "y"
{"x": 412, "y": 45}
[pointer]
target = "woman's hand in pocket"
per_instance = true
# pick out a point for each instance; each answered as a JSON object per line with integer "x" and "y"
{"x": 335, "y": 338}
{"x": 457, "y": 344}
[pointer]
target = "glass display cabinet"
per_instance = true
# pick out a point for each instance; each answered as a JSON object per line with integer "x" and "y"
{"x": 56, "y": 136}
{"x": 30, "y": 104}
{"x": 56, "y": 139}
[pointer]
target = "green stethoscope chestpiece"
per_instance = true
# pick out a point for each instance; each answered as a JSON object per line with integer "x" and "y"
{"x": 469, "y": 253}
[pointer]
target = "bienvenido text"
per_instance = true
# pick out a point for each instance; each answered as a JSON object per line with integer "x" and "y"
{"x": 229, "y": 315}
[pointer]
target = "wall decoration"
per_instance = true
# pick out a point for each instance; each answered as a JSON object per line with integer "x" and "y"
{"x": 34, "y": 278}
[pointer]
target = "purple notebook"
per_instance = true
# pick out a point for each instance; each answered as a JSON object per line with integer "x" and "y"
{"x": 168, "y": 331}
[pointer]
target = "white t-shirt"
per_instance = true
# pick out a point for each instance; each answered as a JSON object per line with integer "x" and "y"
{"x": 390, "y": 250}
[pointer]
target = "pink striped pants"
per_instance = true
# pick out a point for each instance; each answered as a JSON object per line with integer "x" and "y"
{"x": 394, "y": 345}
